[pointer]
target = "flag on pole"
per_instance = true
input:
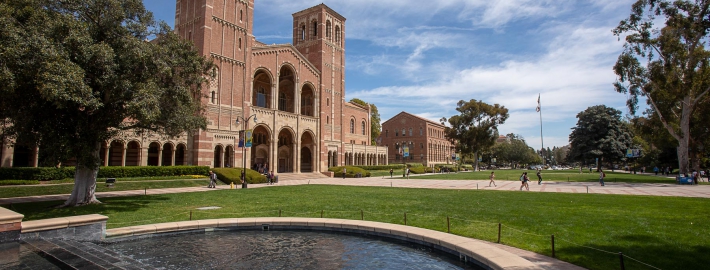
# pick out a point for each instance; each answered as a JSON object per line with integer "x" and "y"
{"x": 538, "y": 103}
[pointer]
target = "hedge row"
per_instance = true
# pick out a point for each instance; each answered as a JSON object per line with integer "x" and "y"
{"x": 381, "y": 167}
{"x": 233, "y": 175}
{"x": 50, "y": 173}
{"x": 350, "y": 171}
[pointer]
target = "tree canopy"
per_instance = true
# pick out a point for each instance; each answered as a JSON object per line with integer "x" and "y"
{"x": 75, "y": 73}
{"x": 669, "y": 66}
{"x": 375, "y": 125}
{"x": 514, "y": 151}
{"x": 600, "y": 133}
{"x": 475, "y": 128}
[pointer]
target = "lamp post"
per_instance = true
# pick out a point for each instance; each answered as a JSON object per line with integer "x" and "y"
{"x": 244, "y": 147}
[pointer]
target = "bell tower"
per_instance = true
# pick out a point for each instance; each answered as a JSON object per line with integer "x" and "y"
{"x": 319, "y": 34}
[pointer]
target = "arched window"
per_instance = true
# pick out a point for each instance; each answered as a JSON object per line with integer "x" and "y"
{"x": 240, "y": 43}
{"x": 315, "y": 30}
{"x": 352, "y": 126}
{"x": 214, "y": 97}
{"x": 241, "y": 15}
{"x": 303, "y": 32}
{"x": 404, "y": 132}
{"x": 337, "y": 34}
{"x": 363, "y": 127}
{"x": 327, "y": 119}
{"x": 261, "y": 97}
{"x": 421, "y": 131}
{"x": 282, "y": 101}
{"x": 410, "y": 132}
{"x": 327, "y": 102}
{"x": 327, "y": 30}
{"x": 396, "y": 133}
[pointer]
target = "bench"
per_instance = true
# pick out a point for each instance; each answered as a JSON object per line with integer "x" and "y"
{"x": 110, "y": 182}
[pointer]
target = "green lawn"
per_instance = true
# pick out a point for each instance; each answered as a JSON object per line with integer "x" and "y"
{"x": 666, "y": 232}
{"x": 34, "y": 190}
{"x": 551, "y": 175}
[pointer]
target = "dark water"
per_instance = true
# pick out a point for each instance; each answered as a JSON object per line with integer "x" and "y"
{"x": 281, "y": 250}
{"x": 20, "y": 257}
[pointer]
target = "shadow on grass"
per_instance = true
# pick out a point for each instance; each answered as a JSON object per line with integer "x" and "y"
{"x": 44, "y": 210}
{"x": 643, "y": 252}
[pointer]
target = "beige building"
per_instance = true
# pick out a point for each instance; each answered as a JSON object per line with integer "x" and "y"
{"x": 296, "y": 93}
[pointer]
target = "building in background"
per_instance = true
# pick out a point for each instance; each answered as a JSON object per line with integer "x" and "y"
{"x": 424, "y": 139}
{"x": 295, "y": 91}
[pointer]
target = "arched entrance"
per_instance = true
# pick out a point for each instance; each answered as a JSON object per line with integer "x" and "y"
{"x": 260, "y": 148}
{"x": 286, "y": 151}
{"x": 229, "y": 157}
{"x": 307, "y": 100}
{"x": 22, "y": 156}
{"x": 308, "y": 147}
{"x": 217, "y": 157}
{"x": 153, "y": 154}
{"x": 133, "y": 154}
{"x": 115, "y": 154}
{"x": 180, "y": 155}
{"x": 167, "y": 155}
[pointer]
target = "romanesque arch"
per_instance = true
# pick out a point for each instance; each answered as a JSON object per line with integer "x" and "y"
{"x": 133, "y": 154}
{"x": 261, "y": 93}
{"x": 115, "y": 153}
{"x": 229, "y": 156}
{"x": 153, "y": 154}
{"x": 307, "y": 100}
{"x": 308, "y": 148}
{"x": 180, "y": 152}
{"x": 286, "y": 152}
{"x": 261, "y": 145}
{"x": 168, "y": 150}
{"x": 287, "y": 87}
{"x": 218, "y": 151}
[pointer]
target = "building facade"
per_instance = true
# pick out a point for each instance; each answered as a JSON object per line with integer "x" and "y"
{"x": 424, "y": 139}
{"x": 296, "y": 93}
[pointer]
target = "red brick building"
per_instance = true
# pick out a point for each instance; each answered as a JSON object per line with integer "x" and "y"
{"x": 295, "y": 91}
{"x": 424, "y": 138}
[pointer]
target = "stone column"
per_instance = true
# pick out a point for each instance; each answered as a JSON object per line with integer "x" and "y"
{"x": 143, "y": 156}
{"x": 35, "y": 156}
{"x": 123, "y": 157}
{"x": 297, "y": 161}
{"x": 8, "y": 151}
{"x": 106, "y": 155}
{"x": 160, "y": 155}
{"x": 172, "y": 162}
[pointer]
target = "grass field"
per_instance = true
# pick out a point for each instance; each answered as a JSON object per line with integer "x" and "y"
{"x": 666, "y": 232}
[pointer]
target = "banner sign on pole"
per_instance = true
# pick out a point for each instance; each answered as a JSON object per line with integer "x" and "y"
{"x": 241, "y": 139}
{"x": 633, "y": 153}
{"x": 249, "y": 138}
{"x": 406, "y": 151}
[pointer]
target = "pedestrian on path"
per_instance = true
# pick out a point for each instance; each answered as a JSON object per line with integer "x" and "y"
{"x": 655, "y": 170}
{"x": 271, "y": 177}
{"x": 539, "y": 176}
{"x": 524, "y": 181}
{"x": 211, "y": 180}
{"x": 391, "y": 171}
{"x": 601, "y": 177}
{"x": 492, "y": 177}
{"x": 407, "y": 173}
{"x": 344, "y": 172}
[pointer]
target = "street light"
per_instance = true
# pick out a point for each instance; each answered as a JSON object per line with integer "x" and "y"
{"x": 244, "y": 147}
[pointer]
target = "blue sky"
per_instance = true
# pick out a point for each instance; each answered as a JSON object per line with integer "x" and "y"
{"x": 424, "y": 56}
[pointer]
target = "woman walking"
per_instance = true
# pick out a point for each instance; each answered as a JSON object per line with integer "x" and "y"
{"x": 492, "y": 177}
{"x": 524, "y": 181}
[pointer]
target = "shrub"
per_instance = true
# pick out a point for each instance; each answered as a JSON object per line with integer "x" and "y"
{"x": 381, "y": 167}
{"x": 233, "y": 175}
{"x": 414, "y": 165}
{"x": 18, "y": 182}
{"x": 420, "y": 170}
{"x": 351, "y": 171}
{"x": 51, "y": 173}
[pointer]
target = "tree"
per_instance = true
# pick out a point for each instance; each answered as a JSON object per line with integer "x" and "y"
{"x": 514, "y": 151}
{"x": 676, "y": 65}
{"x": 476, "y": 127}
{"x": 599, "y": 133}
{"x": 375, "y": 126}
{"x": 75, "y": 73}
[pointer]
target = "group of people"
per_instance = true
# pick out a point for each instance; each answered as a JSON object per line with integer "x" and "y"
{"x": 262, "y": 168}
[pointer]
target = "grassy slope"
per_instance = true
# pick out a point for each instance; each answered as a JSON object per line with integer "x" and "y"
{"x": 549, "y": 175}
{"x": 34, "y": 190}
{"x": 666, "y": 232}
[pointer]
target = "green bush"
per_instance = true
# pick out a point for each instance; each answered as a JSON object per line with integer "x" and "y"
{"x": 420, "y": 170}
{"x": 233, "y": 175}
{"x": 450, "y": 167}
{"x": 18, "y": 182}
{"x": 51, "y": 173}
{"x": 351, "y": 171}
{"x": 381, "y": 167}
{"x": 411, "y": 165}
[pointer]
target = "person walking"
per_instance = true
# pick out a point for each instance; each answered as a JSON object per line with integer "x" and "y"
{"x": 344, "y": 172}
{"x": 539, "y": 176}
{"x": 391, "y": 171}
{"x": 524, "y": 181}
{"x": 271, "y": 177}
{"x": 601, "y": 177}
{"x": 211, "y": 180}
{"x": 655, "y": 170}
{"x": 492, "y": 177}
{"x": 407, "y": 173}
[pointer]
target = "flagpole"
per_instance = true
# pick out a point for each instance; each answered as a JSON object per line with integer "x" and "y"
{"x": 542, "y": 142}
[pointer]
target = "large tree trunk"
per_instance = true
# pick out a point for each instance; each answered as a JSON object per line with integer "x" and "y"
{"x": 684, "y": 138}
{"x": 84, "y": 182}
